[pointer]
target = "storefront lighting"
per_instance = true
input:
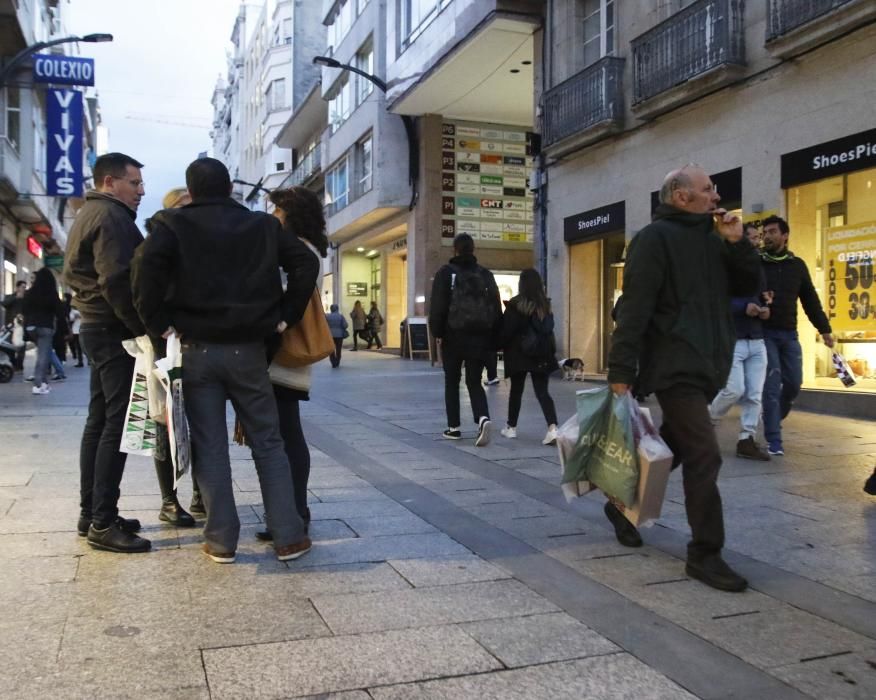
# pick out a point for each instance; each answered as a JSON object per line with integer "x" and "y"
{"x": 421, "y": 299}
{"x": 371, "y": 254}
{"x": 10, "y": 267}
{"x": 360, "y": 249}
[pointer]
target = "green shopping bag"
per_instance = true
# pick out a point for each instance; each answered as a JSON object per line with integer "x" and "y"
{"x": 605, "y": 454}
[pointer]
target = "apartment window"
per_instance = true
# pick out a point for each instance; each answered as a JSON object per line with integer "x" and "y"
{"x": 341, "y": 23}
{"x": 13, "y": 116}
{"x": 287, "y": 31}
{"x": 275, "y": 97}
{"x": 341, "y": 104}
{"x": 337, "y": 185}
{"x": 598, "y": 29}
{"x": 364, "y": 164}
{"x": 416, "y": 16}
{"x": 364, "y": 62}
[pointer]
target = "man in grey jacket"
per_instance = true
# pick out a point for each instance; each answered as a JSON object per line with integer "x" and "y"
{"x": 97, "y": 268}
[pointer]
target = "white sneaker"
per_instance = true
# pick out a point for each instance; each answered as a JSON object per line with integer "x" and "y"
{"x": 41, "y": 389}
{"x": 509, "y": 432}
{"x": 550, "y": 437}
{"x": 483, "y": 432}
{"x": 491, "y": 382}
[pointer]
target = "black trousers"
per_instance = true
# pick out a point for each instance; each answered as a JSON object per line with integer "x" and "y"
{"x": 540, "y": 385}
{"x": 363, "y": 334}
{"x": 296, "y": 448}
{"x": 474, "y": 369}
{"x": 335, "y": 357}
{"x": 492, "y": 364}
{"x": 689, "y": 433}
{"x": 101, "y": 464}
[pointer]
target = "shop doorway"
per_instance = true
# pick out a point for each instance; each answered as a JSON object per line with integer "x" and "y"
{"x": 396, "y": 297}
{"x": 595, "y": 277}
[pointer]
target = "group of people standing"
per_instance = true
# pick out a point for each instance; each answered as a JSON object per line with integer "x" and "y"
{"x": 209, "y": 273}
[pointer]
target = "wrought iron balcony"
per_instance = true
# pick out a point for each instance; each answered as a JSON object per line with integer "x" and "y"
{"x": 587, "y": 100}
{"x": 696, "y": 40}
{"x": 784, "y": 16}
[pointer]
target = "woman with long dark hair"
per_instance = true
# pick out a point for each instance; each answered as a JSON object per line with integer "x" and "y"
{"x": 42, "y": 307}
{"x": 529, "y": 345}
{"x": 301, "y": 213}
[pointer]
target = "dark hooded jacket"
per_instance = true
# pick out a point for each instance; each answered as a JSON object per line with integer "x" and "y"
{"x": 221, "y": 263}
{"x": 465, "y": 345}
{"x": 788, "y": 278}
{"x": 674, "y": 325}
{"x": 519, "y": 314}
{"x": 97, "y": 263}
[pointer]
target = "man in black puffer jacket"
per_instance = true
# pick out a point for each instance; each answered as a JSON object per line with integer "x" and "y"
{"x": 676, "y": 335}
{"x": 465, "y": 316}
{"x": 222, "y": 263}
{"x": 787, "y": 280}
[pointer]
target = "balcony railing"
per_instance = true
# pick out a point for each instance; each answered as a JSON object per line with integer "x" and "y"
{"x": 703, "y": 36}
{"x": 306, "y": 169}
{"x": 591, "y": 97}
{"x": 784, "y": 16}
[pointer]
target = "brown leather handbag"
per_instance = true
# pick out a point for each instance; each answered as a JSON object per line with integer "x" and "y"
{"x": 308, "y": 341}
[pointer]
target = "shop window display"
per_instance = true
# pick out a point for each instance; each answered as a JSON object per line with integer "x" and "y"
{"x": 833, "y": 228}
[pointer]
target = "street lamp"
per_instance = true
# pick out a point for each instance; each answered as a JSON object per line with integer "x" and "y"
{"x": 17, "y": 59}
{"x": 407, "y": 120}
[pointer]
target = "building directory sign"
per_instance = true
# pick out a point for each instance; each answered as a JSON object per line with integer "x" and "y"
{"x": 64, "y": 143}
{"x": 63, "y": 70}
{"x": 484, "y": 171}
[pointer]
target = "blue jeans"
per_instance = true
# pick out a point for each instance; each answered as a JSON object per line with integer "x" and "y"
{"x": 212, "y": 374}
{"x": 44, "y": 354}
{"x": 745, "y": 385}
{"x": 56, "y": 364}
{"x": 783, "y": 381}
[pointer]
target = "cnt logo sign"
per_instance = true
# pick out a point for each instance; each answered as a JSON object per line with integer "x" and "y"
{"x": 64, "y": 148}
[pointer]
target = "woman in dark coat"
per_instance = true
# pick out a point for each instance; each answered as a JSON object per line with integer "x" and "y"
{"x": 42, "y": 307}
{"x": 529, "y": 347}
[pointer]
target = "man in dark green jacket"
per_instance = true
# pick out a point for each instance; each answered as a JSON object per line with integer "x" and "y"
{"x": 676, "y": 336}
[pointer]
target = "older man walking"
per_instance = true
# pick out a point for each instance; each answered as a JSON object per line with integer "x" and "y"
{"x": 676, "y": 336}
{"x": 222, "y": 263}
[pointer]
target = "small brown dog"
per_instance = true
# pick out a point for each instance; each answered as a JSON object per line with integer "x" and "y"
{"x": 573, "y": 369}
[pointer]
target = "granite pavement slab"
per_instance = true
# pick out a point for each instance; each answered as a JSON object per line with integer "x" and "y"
{"x": 444, "y": 571}
{"x": 842, "y": 677}
{"x": 334, "y": 664}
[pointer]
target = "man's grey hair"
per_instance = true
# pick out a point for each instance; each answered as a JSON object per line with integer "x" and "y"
{"x": 676, "y": 180}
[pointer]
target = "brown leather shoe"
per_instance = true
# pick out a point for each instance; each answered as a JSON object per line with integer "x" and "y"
{"x": 219, "y": 557}
{"x": 293, "y": 551}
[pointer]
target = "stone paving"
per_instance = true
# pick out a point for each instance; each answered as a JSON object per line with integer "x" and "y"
{"x": 439, "y": 570}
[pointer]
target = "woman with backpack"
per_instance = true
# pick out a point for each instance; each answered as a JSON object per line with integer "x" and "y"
{"x": 529, "y": 345}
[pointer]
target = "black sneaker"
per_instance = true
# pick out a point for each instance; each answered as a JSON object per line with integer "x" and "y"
{"x": 870, "y": 484}
{"x": 483, "y": 437}
{"x": 714, "y": 571}
{"x": 453, "y": 434}
{"x": 624, "y": 530}
{"x": 749, "y": 449}
{"x": 129, "y": 525}
{"x": 115, "y": 539}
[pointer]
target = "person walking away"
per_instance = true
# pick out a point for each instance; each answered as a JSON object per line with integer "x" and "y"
{"x": 41, "y": 307}
{"x": 222, "y": 264}
{"x": 74, "y": 319}
{"x": 492, "y": 367}
{"x": 357, "y": 316}
{"x": 675, "y": 334}
{"x": 748, "y": 372}
{"x": 97, "y": 264}
{"x": 374, "y": 322}
{"x": 301, "y": 214}
{"x": 12, "y": 306}
{"x": 530, "y": 348}
{"x": 466, "y": 320}
{"x": 787, "y": 280}
{"x": 338, "y": 326}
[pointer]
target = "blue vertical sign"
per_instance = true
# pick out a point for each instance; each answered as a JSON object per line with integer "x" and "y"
{"x": 64, "y": 147}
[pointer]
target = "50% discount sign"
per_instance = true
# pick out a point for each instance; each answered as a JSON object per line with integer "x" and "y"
{"x": 850, "y": 261}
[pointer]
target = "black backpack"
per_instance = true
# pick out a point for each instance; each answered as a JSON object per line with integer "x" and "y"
{"x": 472, "y": 303}
{"x": 538, "y": 341}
